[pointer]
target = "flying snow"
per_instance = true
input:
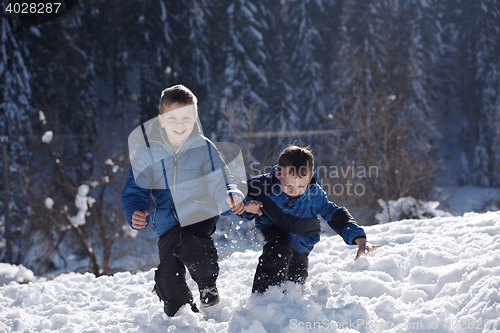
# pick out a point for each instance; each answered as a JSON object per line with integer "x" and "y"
{"x": 49, "y": 203}
{"x": 47, "y": 137}
{"x": 82, "y": 202}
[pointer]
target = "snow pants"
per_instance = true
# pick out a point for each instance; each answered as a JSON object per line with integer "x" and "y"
{"x": 279, "y": 262}
{"x": 192, "y": 247}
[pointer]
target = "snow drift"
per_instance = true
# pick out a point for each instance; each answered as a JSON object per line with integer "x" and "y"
{"x": 435, "y": 275}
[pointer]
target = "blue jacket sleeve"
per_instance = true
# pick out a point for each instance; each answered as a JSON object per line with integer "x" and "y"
{"x": 134, "y": 198}
{"x": 339, "y": 219}
{"x": 248, "y": 216}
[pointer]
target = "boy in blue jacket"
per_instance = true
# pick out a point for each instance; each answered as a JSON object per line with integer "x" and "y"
{"x": 186, "y": 177}
{"x": 285, "y": 204}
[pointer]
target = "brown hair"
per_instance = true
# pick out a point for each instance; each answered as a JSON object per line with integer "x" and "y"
{"x": 300, "y": 161}
{"x": 177, "y": 94}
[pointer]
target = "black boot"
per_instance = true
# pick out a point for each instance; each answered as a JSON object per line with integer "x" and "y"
{"x": 209, "y": 296}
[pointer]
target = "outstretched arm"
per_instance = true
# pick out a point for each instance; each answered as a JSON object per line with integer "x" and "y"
{"x": 220, "y": 182}
{"x": 339, "y": 219}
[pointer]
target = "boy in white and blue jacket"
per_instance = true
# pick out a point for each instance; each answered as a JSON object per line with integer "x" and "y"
{"x": 185, "y": 176}
{"x": 285, "y": 204}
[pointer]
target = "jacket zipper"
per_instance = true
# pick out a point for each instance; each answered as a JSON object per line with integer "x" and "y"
{"x": 154, "y": 216}
{"x": 175, "y": 169}
{"x": 175, "y": 173}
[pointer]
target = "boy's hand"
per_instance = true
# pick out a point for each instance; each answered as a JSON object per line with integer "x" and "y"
{"x": 139, "y": 219}
{"x": 253, "y": 207}
{"x": 364, "y": 247}
{"x": 236, "y": 204}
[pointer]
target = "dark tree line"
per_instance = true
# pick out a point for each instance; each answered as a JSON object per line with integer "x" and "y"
{"x": 379, "y": 75}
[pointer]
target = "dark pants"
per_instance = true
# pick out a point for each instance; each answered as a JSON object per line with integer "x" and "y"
{"x": 279, "y": 262}
{"x": 190, "y": 247}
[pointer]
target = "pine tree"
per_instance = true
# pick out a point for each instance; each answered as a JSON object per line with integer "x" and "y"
{"x": 15, "y": 90}
{"x": 147, "y": 40}
{"x": 305, "y": 22}
{"x": 190, "y": 56}
{"x": 246, "y": 55}
{"x": 475, "y": 36}
{"x": 490, "y": 135}
{"x": 15, "y": 112}
{"x": 190, "y": 25}
{"x": 173, "y": 47}
{"x": 283, "y": 99}
{"x": 431, "y": 19}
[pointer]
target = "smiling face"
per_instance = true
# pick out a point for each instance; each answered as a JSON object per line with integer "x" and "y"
{"x": 178, "y": 121}
{"x": 293, "y": 186}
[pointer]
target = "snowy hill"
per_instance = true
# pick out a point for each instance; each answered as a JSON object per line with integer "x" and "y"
{"x": 437, "y": 275}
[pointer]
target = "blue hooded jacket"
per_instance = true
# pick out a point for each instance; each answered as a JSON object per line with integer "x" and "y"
{"x": 298, "y": 216}
{"x": 193, "y": 183}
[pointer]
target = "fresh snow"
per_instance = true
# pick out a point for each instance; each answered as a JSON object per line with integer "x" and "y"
{"x": 17, "y": 273}
{"x": 41, "y": 116}
{"x": 49, "y": 203}
{"x": 82, "y": 202}
{"x": 47, "y": 136}
{"x": 433, "y": 275}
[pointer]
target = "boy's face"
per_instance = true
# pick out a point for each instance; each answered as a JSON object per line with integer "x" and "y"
{"x": 293, "y": 186}
{"x": 178, "y": 122}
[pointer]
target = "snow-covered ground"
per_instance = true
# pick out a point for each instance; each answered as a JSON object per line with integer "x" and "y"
{"x": 436, "y": 275}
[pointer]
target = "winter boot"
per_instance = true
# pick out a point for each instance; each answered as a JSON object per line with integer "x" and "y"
{"x": 209, "y": 296}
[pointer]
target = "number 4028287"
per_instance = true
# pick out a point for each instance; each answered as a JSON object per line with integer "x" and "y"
{"x": 33, "y": 8}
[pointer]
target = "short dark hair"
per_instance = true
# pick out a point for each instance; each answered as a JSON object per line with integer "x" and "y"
{"x": 300, "y": 161}
{"x": 177, "y": 94}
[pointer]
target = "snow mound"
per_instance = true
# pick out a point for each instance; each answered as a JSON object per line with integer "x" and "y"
{"x": 17, "y": 273}
{"x": 408, "y": 208}
{"x": 433, "y": 275}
